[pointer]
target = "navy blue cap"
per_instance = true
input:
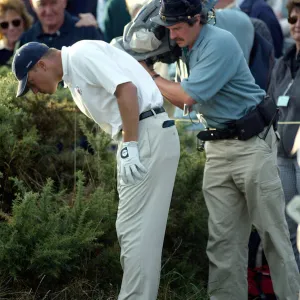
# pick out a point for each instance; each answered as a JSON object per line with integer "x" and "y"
{"x": 172, "y": 12}
{"x": 24, "y": 59}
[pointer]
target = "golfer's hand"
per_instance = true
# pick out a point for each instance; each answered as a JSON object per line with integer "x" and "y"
{"x": 131, "y": 169}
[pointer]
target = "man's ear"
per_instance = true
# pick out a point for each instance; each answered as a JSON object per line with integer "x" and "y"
{"x": 198, "y": 16}
{"x": 42, "y": 64}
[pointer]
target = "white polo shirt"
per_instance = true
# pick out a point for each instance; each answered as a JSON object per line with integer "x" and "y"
{"x": 92, "y": 70}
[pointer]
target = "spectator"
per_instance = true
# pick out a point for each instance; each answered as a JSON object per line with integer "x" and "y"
{"x": 262, "y": 29}
{"x": 14, "y": 19}
{"x": 285, "y": 90}
{"x": 262, "y": 57}
{"x": 85, "y": 11}
{"x": 56, "y": 27}
{"x": 76, "y": 7}
{"x": 116, "y": 16}
{"x": 261, "y": 10}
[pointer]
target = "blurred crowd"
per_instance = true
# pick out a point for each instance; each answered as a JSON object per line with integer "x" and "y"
{"x": 60, "y": 23}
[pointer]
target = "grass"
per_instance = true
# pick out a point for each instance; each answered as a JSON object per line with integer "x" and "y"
{"x": 83, "y": 289}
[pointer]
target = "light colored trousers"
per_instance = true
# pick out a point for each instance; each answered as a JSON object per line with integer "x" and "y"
{"x": 289, "y": 172}
{"x": 242, "y": 187}
{"x": 143, "y": 209}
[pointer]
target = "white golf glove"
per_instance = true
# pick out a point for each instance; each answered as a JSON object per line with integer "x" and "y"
{"x": 131, "y": 168}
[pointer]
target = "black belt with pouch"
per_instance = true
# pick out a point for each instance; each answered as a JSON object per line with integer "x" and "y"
{"x": 265, "y": 114}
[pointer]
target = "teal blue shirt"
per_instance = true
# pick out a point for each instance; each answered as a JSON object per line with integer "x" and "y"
{"x": 219, "y": 78}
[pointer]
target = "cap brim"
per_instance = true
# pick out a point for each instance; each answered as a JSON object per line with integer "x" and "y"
{"x": 22, "y": 87}
{"x": 159, "y": 21}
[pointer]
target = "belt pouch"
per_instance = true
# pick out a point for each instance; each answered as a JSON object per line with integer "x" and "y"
{"x": 250, "y": 125}
{"x": 268, "y": 109}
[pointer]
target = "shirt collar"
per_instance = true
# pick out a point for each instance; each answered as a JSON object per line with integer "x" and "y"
{"x": 66, "y": 27}
{"x": 186, "y": 52}
{"x": 200, "y": 37}
{"x": 65, "y": 65}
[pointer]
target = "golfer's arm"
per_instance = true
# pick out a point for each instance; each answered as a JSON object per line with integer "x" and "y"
{"x": 126, "y": 94}
{"x": 173, "y": 92}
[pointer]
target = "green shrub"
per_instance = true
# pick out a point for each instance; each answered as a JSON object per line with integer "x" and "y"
{"x": 19, "y": 141}
{"x": 47, "y": 236}
{"x": 4, "y": 71}
{"x": 40, "y": 137}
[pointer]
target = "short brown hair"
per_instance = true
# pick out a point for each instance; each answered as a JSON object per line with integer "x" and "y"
{"x": 19, "y": 7}
{"x": 291, "y": 4}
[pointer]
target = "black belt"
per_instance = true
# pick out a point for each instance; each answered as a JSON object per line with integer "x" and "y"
{"x": 217, "y": 134}
{"x": 149, "y": 113}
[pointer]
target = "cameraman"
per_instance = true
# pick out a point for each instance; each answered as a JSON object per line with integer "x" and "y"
{"x": 241, "y": 185}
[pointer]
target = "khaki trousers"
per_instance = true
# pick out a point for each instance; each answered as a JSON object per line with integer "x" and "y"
{"x": 143, "y": 210}
{"x": 241, "y": 187}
